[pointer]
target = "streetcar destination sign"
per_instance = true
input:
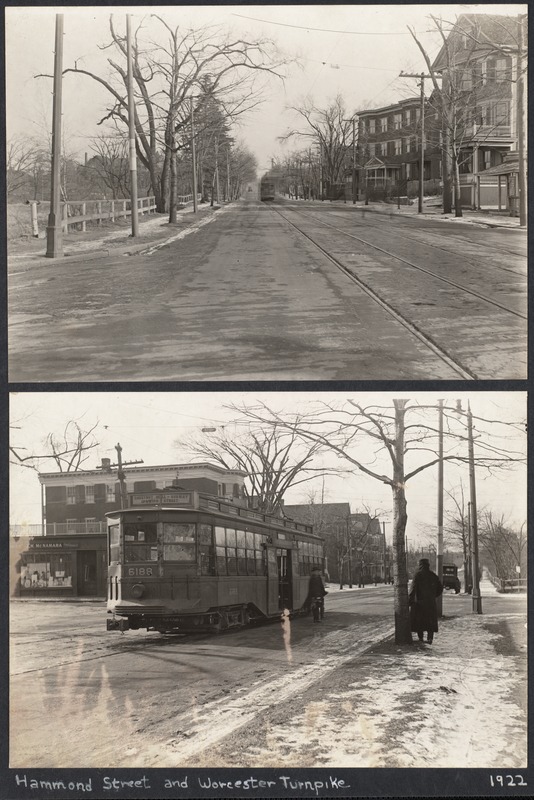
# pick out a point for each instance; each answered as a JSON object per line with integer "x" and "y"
{"x": 162, "y": 498}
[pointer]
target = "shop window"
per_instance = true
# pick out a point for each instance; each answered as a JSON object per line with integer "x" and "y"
{"x": 178, "y": 541}
{"x": 47, "y": 572}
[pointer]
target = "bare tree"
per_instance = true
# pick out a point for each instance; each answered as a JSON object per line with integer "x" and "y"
{"x": 180, "y": 68}
{"x": 503, "y": 546}
{"x": 328, "y": 129}
{"x": 273, "y": 458}
{"x": 110, "y": 163}
{"x": 68, "y": 450}
{"x": 397, "y": 435}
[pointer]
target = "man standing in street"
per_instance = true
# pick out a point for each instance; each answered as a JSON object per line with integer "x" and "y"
{"x": 426, "y": 587}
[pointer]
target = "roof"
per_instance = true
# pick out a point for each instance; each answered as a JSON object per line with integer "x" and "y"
{"x": 508, "y": 168}
{"x": 136, "y": 470}
{"x": 495, "y": 29}
{"x": 310, "y": 512}
{"x": 410, "y": 101}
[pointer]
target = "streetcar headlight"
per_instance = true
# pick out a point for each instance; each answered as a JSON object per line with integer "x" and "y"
{"x": 137, "y": 590}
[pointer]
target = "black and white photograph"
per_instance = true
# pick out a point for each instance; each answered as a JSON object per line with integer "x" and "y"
{"x": 265, "y": 401}
{"x": 250, "y": 580}
{"x": 266, "y": 193}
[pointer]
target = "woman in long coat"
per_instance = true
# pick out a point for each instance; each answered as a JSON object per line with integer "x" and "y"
{"x": 426, "y": 587}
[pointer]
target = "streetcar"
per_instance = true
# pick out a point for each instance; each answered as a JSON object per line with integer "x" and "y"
{"x": 184, "y": 561}
{"x": 267, "y": 189}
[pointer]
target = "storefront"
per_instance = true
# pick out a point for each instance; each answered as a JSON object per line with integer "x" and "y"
{"x": 64, "y": 566}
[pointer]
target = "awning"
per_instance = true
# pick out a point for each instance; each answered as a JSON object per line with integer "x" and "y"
{"x": 502, "y": 169}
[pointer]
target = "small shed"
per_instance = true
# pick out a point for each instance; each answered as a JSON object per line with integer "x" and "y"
{"x": 507, "y": 176}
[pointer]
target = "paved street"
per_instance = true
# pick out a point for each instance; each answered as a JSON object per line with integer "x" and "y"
{"x": 202, "y": 700}
{"x": 251, "y": 296}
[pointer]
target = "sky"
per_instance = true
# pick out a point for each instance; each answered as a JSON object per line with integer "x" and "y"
{"x": 354, "y": 50}
{"x": 148, "y": 424}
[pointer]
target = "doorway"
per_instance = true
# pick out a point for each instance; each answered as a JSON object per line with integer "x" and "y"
{"x": 285, "y": 586}
{"x": 86, "y": 573}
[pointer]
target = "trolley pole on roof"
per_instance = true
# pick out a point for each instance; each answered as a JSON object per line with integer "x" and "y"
{"x": 131, "y": 129}
{"x": 54, "y": 229}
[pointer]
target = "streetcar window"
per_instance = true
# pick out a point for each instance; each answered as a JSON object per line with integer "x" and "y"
{"x": 241, "y": 561}
{"x": 231, "y": 561}
{"x": 249, "y": 537}
{"x": 230, "y": 537}
{"x": 178, "y": 541}
{"x": 140, "y": 532}
{"x": 241, "y": 538}
{"x": 220, "y": 536}
{"x": 220, "y": 553}
{"x": 207, "y": 560}
{"x": 114, "y": 539}
{"x": 260, "y": 563}
{"x": 205, "y": 534}
{"x": 251, "y": 562}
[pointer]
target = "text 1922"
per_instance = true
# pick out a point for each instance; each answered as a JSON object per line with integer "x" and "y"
{"x": 507, "y": 780}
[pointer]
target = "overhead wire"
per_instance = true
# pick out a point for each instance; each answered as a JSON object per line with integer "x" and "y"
{"x": 329, "y": 30}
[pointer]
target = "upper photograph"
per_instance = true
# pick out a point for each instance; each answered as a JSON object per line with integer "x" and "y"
{"x": 267, "y": 193}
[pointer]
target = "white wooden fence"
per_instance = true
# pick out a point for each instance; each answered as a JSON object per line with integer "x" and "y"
{"x": 80, "y": 212}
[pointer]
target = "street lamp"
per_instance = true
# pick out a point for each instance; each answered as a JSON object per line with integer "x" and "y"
{"x": 477, "y": 600}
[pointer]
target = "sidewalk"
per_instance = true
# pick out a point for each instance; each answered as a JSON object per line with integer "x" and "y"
{"x": 116, "y": 239}
{"x": 458, "y": 703}
{"x": 431, "y": 210}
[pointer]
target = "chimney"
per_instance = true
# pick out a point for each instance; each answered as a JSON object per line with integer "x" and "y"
{"x": 106, "y": 465}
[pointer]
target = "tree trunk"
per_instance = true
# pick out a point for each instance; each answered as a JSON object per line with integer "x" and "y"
{"x": 173, "y": 193}
{"x": 403, "y": 633}
{"x": 457, "y": 195}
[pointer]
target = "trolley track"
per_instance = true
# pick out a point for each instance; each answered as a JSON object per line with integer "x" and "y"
{"x": 417, "y": 329}
{"x": 408, "y": 263}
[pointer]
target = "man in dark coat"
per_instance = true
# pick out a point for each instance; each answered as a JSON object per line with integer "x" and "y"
{"x": 315, "y": 589}
{"x": 426, "y": 587}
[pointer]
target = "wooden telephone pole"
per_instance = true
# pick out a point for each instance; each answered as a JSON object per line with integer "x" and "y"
{"x": 54, "y": 229}
{"x": 131, "y": 129}
{"x": 122, "y": 475}
{"x": 421, "y": 77}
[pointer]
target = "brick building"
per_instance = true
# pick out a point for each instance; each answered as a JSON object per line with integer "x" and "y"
{"x": 389, "y": 149}
{"x": 68, "y": 558}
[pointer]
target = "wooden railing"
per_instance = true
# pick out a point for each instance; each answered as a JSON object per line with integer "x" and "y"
{"x": 80, "y": 212}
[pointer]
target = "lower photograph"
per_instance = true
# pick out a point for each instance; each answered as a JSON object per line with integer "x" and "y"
{"x": 294, "y": 591}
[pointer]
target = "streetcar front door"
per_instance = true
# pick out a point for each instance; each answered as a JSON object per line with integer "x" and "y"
{"x": 285, "y": 593}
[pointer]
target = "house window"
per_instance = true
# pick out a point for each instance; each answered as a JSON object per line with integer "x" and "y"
{"x": 397, "y": 121}
{"x": 502, "y": 69}
{"x": 371, "y": 124}
{"x": 406, "y": 145}
{"x": 417, "y": 114}
{"x": 71, "y": 524}
{"x": 378, "y": 149}
{"x": 407, "y": 116}
{"x": 502, "y": 113}
{"x": 372, "y": 149}
{"x": 89, "y": 494}
{"x": 91, "y": 525}
{"x": 110, "y": 494}
{"x": 71, "y": 495}
{"x": 398, "y": 146}
{"x": 383, "y": 125}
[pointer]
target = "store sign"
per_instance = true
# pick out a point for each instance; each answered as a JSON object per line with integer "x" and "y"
{"x": 163, "y": 498}
{"x": 51, "y": 545}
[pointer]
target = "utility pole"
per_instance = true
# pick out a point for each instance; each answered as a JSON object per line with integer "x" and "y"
{"x": 469, "y": 570}
{"x": 353, "y": 161}
{"x": 522, "y": 177}
{"x": 439, "y": 551}
{"x": 217, "y": 168}
{"x": 193, "y": 154}
{"x": 349, "y": 547}
{"x": 54, "y": 229}
{"x": 477, "y": 600}
{"x": 131, "y": 128}
{"x": 421, "y": 76}
{"x": 122, "y": 475}
{"x": 227, "y": 176}
{"x": 385, "y": 550}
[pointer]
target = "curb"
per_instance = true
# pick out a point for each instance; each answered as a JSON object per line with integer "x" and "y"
{"x": 96, "y": 253}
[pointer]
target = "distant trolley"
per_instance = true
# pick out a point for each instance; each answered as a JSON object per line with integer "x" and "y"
{"x": 267, "y": 189}
{"x": 186, "y": 561}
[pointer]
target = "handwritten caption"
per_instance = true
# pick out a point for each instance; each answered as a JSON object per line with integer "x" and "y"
{"x": 250, "y": 784}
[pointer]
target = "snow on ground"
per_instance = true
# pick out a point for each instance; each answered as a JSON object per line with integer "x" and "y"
{"x": 453, "y": 704}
